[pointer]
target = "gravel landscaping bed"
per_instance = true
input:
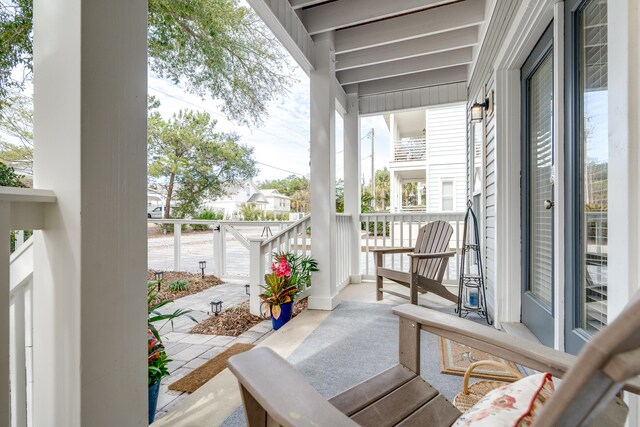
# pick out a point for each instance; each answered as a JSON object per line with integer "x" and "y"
{"x": 235, "y": 320}
{"x": 195, "y": 284}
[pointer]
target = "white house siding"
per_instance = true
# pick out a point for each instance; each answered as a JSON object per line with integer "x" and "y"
{"x": 446, "y": 149}
{"x": 482, "y": 82}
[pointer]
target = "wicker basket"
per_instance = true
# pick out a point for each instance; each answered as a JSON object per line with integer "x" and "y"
{"x": 471, "y": 394}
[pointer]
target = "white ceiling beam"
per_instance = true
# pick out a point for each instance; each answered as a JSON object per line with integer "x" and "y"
{"x": 407, "y": 66}
{"x": 433, "y": 21}
{"x": 346, "y": 13}
{"x": 442, "y": 42}
{"x": 284, "y": 23}
{"x": 341, "y": 99}
{"x": 413, "y": 81}
{"x": 299, "y": 4}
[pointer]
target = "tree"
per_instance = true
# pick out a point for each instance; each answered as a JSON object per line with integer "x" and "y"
{"x": 16, "y": 132}
{"x": 216, "y": 48}
{"x": 16, "y": 44}
{"x": 191, "y": 161}
{"x": 383, "y": 189}
{"x": 294, "y": 186}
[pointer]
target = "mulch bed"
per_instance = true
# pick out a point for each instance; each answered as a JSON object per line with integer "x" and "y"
{"x": 235, "y": 320}
{"x": 193, "y": 380}
{"x": 195, "y": 281}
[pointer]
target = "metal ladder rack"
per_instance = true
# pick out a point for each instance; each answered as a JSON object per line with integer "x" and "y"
{"x": 471, "y": 288}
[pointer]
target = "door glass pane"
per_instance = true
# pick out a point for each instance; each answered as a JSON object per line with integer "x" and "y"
{"x": 541, "y": 188}
{"x": 592, "y": 57}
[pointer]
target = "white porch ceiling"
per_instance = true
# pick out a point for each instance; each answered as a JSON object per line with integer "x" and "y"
{"x": 383, "y": 46}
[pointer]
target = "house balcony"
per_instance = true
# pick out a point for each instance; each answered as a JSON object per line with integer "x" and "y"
{"x": 410, "y": 150}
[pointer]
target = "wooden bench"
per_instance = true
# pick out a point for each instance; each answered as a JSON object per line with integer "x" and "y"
{"x": 276, "y": 394}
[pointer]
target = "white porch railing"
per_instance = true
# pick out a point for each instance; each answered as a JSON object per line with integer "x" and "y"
{"x": 343, "y": 245}
{"x": 229, "y": 243}
{"x": 401, "y": 229}
{"x": 20, "y": 209}
{"x": 291, "y": 239}
{"x": 407, "y": 150}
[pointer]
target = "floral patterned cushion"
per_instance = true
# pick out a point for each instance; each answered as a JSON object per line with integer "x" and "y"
{"x": 511, "y": 405}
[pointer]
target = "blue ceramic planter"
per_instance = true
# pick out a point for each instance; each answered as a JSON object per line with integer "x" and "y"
{"x": 285, "y": 316}
{"x": 154, "y": 389}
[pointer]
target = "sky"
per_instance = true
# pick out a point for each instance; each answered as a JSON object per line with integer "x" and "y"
{"x": 281, "y": 144}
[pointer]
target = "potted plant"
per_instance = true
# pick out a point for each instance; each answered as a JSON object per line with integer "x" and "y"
{"x": 157, "y": 357}
{"x": 290, "y": 275}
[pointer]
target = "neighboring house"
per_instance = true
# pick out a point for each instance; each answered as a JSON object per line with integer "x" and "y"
{"x": 428, "y": 159}
{"x": 277, "y": 202}
{"x": 249, "y": 193}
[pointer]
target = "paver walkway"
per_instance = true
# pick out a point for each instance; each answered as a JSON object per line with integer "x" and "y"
{"x": 189, "y": 351}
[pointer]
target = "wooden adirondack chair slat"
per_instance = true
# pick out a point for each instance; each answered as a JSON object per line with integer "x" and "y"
{"x": 425, "y": 274}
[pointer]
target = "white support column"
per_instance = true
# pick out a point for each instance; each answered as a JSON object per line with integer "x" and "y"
{"x": 323, "y": 174}
{"x": 89, "y": 296}
{"x": 624, "y": 156}
{"x": 352, "y": 181}
{"x": 5, "y": 227}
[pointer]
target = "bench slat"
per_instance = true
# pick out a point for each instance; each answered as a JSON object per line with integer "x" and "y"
{"x": 363, "y": 394}
{"x": 397, "y": 405}
{"x": 436, "y": 412}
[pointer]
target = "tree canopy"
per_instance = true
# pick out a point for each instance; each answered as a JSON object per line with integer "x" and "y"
{"x": 16, "y": 132}
{"x": 193, "y": 162}
{"x": 215, "y": 48}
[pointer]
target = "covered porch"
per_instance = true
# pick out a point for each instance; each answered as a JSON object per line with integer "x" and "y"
{"x": 73, "y": 324}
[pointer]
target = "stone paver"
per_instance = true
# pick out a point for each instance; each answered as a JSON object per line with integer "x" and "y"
{"x": 190, "y": 351}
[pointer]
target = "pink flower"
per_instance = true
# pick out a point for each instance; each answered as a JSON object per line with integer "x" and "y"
{"x": 281, "y": 268}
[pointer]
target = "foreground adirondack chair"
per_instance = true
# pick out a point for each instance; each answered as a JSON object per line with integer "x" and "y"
{"x": 275, "y": 393}
{"x": 428, "y": 264}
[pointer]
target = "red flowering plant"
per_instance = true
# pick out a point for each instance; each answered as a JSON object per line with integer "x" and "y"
{"x": 157, "y": 357}
{"x": 290, "y": 275}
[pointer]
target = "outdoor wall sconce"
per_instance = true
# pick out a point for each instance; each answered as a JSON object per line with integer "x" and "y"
{"x": 246, "y": 289}
{"x": 216, "y": 307}
{"x": 478, "y": 109}
{"x": 203, "y": 265}
{"x": 159, "y": 277}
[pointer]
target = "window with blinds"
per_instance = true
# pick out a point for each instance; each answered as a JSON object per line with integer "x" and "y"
{"x": 593, "y": 100}
{"x": 541, "y": 188}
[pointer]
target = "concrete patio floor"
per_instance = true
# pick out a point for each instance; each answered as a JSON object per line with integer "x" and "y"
{"x": 212, "y": 403}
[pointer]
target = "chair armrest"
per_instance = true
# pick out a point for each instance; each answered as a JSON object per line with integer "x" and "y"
{"x": 433, "y": 255}
{"x": 487, "y": 339}
{"x": 492, "y": 341}
{"x": 282, "y": 391}
{"x": 391, "y": 250}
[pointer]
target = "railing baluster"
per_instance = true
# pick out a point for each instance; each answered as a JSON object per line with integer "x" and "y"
{"x": 18, "y": 358}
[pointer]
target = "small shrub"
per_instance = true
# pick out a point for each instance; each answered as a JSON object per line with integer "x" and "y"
{"x": 179, "y": 286}
{"x": 209, "y": 215}
{"x": 282, "y": 217}
{"x": 250, "y": 212}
